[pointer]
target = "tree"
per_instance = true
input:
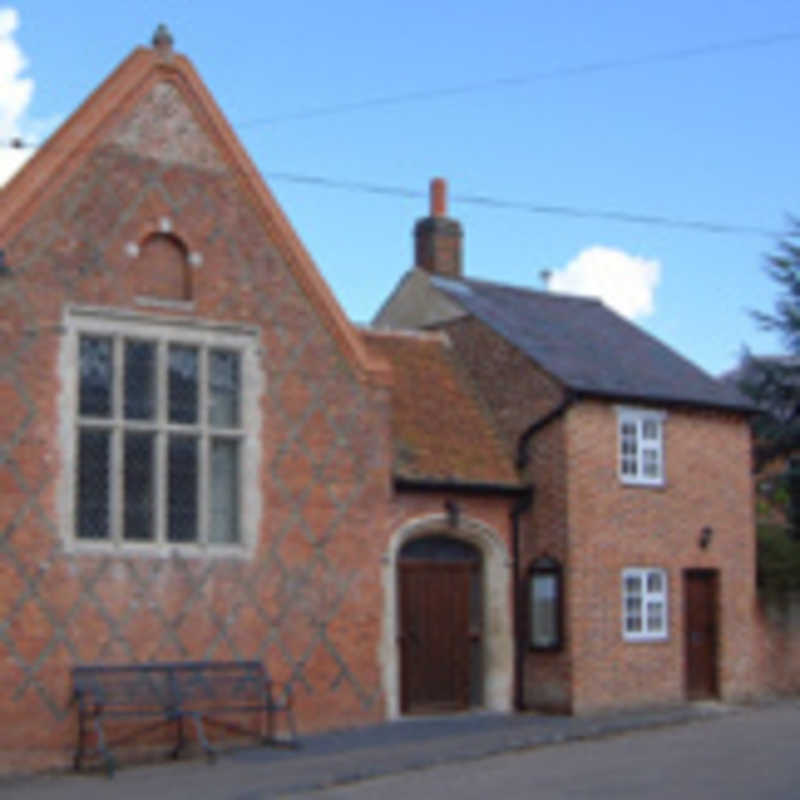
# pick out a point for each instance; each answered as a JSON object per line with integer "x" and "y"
{"x": 773, "y": 382}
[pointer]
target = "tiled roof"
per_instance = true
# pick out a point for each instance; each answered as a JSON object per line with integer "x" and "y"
{"x": 588, "y": 347}
{"x": 440, "y": 430}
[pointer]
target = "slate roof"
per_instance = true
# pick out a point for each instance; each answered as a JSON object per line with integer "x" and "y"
{"x": 440, "y": 430}
{"x": 588, "y": 347}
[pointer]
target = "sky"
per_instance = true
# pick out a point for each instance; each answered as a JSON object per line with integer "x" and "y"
{"x": 663, "y": 111}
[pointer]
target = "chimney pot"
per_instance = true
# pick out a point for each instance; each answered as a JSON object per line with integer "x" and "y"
{"x": 438, "y": 193}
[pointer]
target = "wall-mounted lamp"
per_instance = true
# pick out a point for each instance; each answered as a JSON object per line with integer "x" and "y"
{"x": 706, "y": 535}
{"x": 453, "y": 512}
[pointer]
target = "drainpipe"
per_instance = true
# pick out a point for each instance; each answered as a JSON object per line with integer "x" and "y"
{"x": 521, "y": 505}
{"x": 524, "y": 439}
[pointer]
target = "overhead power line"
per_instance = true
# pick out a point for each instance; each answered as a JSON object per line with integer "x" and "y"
{"x": 652, "y": 220}
{"x": 508, "y": 82}
{"x": 512, "y": 82}
{"x": 704, "y": 226}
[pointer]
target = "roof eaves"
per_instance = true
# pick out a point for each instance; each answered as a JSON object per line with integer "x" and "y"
{"x": 456, "y": 485}
{"x": 744, "y": 407}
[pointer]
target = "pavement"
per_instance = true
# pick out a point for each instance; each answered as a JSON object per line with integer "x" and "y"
{"x": 341, "y": 757}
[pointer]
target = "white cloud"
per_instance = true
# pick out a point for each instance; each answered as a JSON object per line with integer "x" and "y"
{"x": 16, "y": 92}
{"x": 11, "y": 159}
{"x": 623, "y": 282}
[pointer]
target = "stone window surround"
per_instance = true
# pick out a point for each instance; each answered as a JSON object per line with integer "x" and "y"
{"x": 245, "y": 339}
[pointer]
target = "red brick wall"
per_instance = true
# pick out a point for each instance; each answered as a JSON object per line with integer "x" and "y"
{"x": 437, "y": 245}
{"x": 516, "y": 392}
{"x": 547, "y": 682}
{"x": 778, "y": 643}
{"x": 309, "y": 599}
{"x": 611, "y": 526}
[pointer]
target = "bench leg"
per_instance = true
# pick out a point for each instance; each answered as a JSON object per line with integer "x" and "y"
{"x": 179, "y": 745}
{"x": 79, "y": 750}
{"x": 197, "y": 720}
{"x": 271, "y": 738}
{"x": 289, "y": 712}
{"x": 102, "y": 748}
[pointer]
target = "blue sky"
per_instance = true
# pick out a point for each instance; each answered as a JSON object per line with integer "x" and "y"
{"x": 709, "y": 137}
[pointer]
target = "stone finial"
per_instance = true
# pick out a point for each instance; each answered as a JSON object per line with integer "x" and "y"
{"x": 162, "y": 39}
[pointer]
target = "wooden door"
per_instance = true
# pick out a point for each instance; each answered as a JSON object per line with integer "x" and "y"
{"x": 700, "y": 598}
{"x": 435, "y": 635}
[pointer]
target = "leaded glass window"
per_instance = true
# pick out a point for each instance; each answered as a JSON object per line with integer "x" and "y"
{"x": 140, "y": 379}
{"x": 183, "y": 380}
{"x": 224, "y": 389}
{"x": 93, "y": 498}
{"x": 159, "y": 437}
{"x": 224, "y": 490}
{"x": 182, "y": 477}
{"x": 139, "y": 489}
{"x": 96, "y": 371}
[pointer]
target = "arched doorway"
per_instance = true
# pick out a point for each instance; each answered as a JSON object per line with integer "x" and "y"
{"x": 440, "y": 593}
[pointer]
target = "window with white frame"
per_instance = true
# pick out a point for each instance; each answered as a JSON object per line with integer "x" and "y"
{"x": 644, "y": 604}
{"x": 160, "y": 416}
{"x": 641, "y": 446}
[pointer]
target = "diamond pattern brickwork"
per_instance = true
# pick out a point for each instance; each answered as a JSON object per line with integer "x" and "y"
{"x": 324, "y": 463}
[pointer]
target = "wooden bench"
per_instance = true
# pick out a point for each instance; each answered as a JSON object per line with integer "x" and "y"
{"x": 172, "y": 693}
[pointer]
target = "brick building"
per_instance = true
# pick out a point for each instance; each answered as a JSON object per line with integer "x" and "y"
{"x": 636, "y": 559}
{"x": 202, "y": 458}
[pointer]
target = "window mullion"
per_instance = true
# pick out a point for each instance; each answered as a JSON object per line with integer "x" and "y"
{"x": 203, "y": 494}
{"x": 659, "y": 445}
{"x": 640, "y": 473}
{"x": 161, "y": 443}
{"x": 117, "y": 443}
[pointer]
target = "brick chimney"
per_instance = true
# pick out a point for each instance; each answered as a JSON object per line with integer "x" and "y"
{"x": 437, "y": 238}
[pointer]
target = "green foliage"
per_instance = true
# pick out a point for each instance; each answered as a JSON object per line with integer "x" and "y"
{"x": 778, "y": 560}
{"x": 783, "y": 267}
{"x": 773, "y": 382}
